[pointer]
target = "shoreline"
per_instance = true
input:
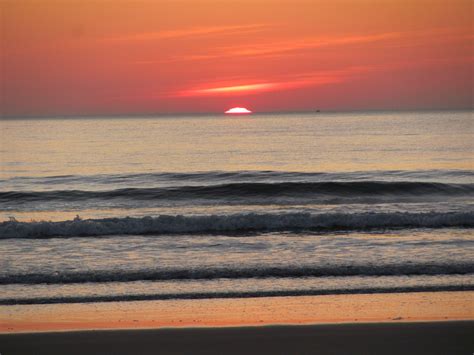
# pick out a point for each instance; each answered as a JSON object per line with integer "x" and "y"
{"x": 413, "y": 323}
{"x": 419, "y": 322}
{"x": 419, "y": 307}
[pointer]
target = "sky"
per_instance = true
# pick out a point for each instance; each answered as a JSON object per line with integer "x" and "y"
{"x": 107, "y": 57}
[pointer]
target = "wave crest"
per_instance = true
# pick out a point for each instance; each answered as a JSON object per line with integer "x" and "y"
{"x": 353, "y": 189}
{"x": 245, "y": 222}
{"x": 68, "y": 277}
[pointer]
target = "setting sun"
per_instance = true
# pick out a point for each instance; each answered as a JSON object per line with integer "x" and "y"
{"x": 237, "y": 110}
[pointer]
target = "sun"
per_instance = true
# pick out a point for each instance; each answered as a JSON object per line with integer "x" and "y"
{"x": 238, "y": 110}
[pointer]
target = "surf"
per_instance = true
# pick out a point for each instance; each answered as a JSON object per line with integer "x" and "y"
{"x": 235, "y": 223}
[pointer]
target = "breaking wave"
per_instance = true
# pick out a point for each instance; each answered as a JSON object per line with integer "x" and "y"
{"x": 235, "y": 223}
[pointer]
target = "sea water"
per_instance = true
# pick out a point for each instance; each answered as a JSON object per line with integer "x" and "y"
{"x": 214, "y": 206}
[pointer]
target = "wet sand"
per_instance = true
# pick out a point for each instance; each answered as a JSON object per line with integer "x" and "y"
{"x": 411, "y": 323}
{"x": 406, "y": 307}
{"x": 374, "y": 338}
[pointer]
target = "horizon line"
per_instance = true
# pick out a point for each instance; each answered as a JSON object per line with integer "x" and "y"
{"x": 214, "y": 113}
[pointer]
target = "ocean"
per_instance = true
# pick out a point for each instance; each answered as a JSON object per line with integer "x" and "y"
{"x": 103, "y": 209}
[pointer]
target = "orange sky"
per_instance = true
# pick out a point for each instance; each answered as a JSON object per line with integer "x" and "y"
{"x": 141, "y": 56}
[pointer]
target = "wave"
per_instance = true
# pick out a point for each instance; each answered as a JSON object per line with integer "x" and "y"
{"x": 243, "y": 294}
{"x": 235, "y": 223}
{"x": 250, "y": 175}
{"x": 238, "y": 273}
{"x": 314, "y": 190}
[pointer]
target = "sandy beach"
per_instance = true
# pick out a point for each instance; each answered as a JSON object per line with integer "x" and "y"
{"x": 383, "y": 338}
{"x": 421, "y": 323}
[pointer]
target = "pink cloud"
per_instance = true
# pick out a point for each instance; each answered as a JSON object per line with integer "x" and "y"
{"x": 260, "y": 86}
{"x": 190, "y": 32}
{"x": 293, "y": 46}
